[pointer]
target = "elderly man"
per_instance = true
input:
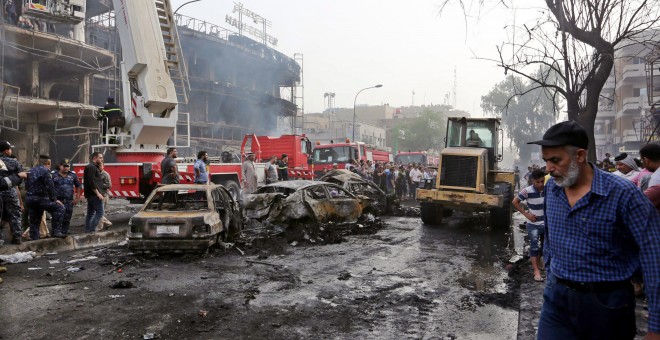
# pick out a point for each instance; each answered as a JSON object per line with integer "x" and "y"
{"x": 600, "y": 230}
{"x": 626, "y": 167}
{"x": 249, "y": 174}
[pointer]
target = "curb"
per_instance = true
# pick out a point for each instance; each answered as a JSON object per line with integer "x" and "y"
{"x": 72, "y": 242}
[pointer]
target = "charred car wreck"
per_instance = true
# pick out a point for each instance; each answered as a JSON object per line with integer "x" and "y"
{"x": 303, "y": 201}
{"x": 374, "y": 200}
{"x": 182, "y": 217}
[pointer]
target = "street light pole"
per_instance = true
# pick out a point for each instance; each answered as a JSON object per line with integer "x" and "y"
{"x": 354, "y": 101}
{"x": 189, "y": 2}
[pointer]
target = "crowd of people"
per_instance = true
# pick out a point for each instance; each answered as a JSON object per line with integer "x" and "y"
{"x": 11, "y": 13}
{"x": 393, "y": 178}
{"x": 55, "y": 191}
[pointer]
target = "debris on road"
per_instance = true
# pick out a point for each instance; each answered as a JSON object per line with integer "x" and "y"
{"x": 19, "y": 257}
{"x": 344, "y": 276}
{"x": 122, "y": 284}
{"x": 149, "y": 336}
{"x": 203, "y": 313}
{"x": 81, "y": 260}
{"x": 116, "y": 296}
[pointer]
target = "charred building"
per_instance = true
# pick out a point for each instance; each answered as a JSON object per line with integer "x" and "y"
{"x": 60, "y": 60}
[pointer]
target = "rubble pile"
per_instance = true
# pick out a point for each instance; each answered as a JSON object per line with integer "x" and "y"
{"x": 264, "y": 234}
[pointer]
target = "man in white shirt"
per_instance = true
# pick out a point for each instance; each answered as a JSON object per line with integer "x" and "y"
{"x": 626, "y": 166}
{"x": 416, "y": 177}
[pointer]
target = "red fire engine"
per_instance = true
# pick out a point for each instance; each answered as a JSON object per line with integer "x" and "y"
{"x": 297, "y": 148}
{"x": 151, "y": 111}
{"x": 420, "y": 157}
{"x": 325, "y": 155}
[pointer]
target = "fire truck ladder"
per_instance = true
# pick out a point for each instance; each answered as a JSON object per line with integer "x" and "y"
{"x": 175, "y": 62}
{"x": 299, "y": 97}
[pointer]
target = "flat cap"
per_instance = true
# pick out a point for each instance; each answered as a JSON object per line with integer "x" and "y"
{"x": 565, "y": 133}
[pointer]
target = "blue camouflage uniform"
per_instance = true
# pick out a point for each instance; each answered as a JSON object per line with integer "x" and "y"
{"x": 11, "y": 205}
{"x": 64, "y": 193}
{"x": 40, "y": 198}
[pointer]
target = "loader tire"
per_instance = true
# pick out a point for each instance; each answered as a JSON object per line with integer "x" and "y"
{"x": 500, "y": 218}
{"x": 431, "y": 213}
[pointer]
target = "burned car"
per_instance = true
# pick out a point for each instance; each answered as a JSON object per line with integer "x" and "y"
{"x": 185, "y": 217}
{"x": 374, "y": 199}
{"x": 290, "y": 201}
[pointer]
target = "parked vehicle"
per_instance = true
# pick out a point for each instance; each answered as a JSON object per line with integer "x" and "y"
{"x": 374, "y": 200}
{"x": 154, "y": 80}
{"x": 325, "y": 155}
{"x": 419, "y": 157}
{"x": 185, "y": 217}
{"x": 305, "y": 201}
{"x": 468, "y": 176}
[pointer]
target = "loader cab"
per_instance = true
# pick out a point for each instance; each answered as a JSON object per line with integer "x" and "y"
{"x": 475, "y": 133}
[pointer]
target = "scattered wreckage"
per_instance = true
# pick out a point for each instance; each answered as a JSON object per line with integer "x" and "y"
{"x": 303, "y": 201}
{"x": 374, "y": 200}
{"x": 185, "y": 217}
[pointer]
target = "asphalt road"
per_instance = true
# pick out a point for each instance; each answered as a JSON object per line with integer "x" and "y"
{"x": 406, "y": 280}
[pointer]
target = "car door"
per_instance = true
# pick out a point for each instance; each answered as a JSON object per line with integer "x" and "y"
{"x": 319, "y": 203}
{"x": 346, "y": 205}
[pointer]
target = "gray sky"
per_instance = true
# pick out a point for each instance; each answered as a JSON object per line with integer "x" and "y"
{"x": 405, "y": 45}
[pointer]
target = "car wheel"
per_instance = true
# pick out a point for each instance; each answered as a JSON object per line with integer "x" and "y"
{"x": 234, "y": 189}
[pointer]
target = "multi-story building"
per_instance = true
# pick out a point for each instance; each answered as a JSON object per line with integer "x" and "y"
{"x": 325, "y": 127}
{"x": 61, "y": 61}
{"x": 623, "y": 114}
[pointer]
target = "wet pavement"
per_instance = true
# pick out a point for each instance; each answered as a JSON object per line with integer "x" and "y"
{"x": 402, "y": 280}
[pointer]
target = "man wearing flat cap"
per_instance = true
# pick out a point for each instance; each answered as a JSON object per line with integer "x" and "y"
{"x": 600, "y": 230}
{"x": 11, "y": 199}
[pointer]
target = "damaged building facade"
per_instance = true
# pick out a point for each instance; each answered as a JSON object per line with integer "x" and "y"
{"x": 60, "y": 60}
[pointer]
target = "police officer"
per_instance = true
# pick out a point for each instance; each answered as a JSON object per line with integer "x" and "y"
{"x": 8, "y": 182}
{"x": 41, "y": 197}
{"x": 67, "y": 190}
{"x": 11, "y": 198}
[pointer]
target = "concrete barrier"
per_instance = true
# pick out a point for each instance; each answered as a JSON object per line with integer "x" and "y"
{"x": 72, "y": 242}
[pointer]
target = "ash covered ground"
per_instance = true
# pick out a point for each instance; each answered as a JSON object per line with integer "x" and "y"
{"x": 376, "y": 279}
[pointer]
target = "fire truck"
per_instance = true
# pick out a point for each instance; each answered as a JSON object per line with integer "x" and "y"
{"x": 151, "y": 62}
{"x": 325, "y": 155}
{"x": 297, "y": 147}
{"x": 420, "y": 157}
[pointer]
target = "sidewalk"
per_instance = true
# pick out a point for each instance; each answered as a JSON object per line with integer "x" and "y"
{"x": 118, "y": 212}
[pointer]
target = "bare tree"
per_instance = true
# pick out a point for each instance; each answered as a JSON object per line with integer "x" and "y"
{"x": 575, "y": 42}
